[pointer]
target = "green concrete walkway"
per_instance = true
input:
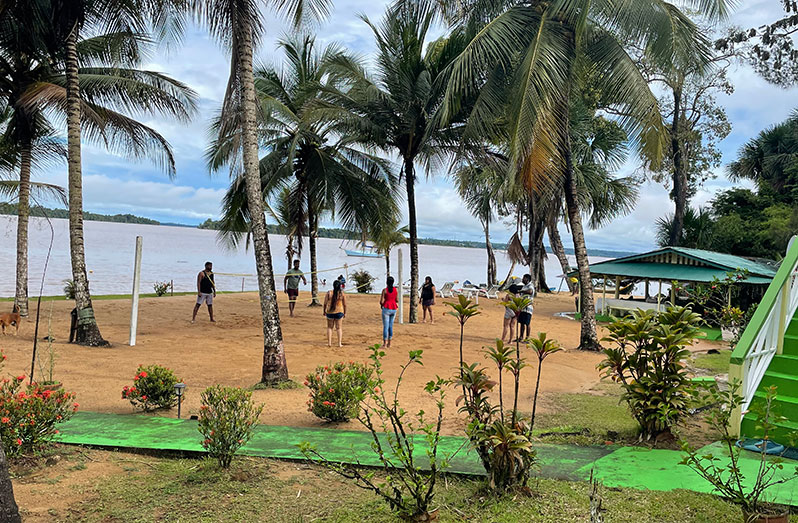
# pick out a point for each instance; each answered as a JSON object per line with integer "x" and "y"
{"x": 615, "y": 466}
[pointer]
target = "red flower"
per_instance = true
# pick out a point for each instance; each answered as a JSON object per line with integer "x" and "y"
{"x": 19, "y": 442}
{"x": 143, "y": 374}
{"x": 20, "y": 378}
{"x": 6, "y": 420}
{"x": 331, "y": 390}
{"x": 144, "y": 397}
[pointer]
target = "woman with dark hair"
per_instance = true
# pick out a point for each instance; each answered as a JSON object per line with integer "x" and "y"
{"x": 389, "y": 304}
{"x": 428, "y": 299}
{"x": 335, "y": 310}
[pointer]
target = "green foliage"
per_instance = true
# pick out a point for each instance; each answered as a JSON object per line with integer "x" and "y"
{"x": 161, "y": 287}
{"x": 226, "y": 418}
{"x": 463, "y": 310}
{"x": 30, "y": 413}
{"x": 726, "y": 477}
{"x": 500, "y": 436}
{"x": 363, "y": 281}
{"x": 69, "y": 289}
{"x": 406, "y": 487}
{"x": 153, "y": 388}
{"x": 335, "y": 389}
{"x": 649, "y": 361}
{"x": 38, "y": 210}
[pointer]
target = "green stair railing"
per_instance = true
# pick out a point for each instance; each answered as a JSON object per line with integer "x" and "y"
{"x": 763, "y": 338}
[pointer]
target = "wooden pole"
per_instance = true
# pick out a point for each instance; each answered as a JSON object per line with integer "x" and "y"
{"x": 617, "y": 287}
{"x": 400, "y": 286}
{"x": 659, "y": 295}
{"x": 134, "y": 310}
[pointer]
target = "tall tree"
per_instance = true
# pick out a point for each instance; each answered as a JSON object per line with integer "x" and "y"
{"x": 398, "y": 108}
{"x": 238, "y": 25}
{"x": 547, "y": 48}
{"x": 9, "y": 512}
{"x": 323, "y": 171}
{"x": 98, "y": 83}
{"x": 387, "y": 236}
{"x": 480, "y": 186}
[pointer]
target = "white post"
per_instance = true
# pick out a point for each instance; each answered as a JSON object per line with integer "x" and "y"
{"x": 134, "y": 310}
{"x": 659, "y": 296}
{"x": 401, "y": 286}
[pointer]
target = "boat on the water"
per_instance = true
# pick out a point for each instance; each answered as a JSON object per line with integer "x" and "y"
{"x": 364, "y": 251}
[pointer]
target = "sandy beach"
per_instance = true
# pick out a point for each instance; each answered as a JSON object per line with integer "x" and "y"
{"x": 230, "y": 351}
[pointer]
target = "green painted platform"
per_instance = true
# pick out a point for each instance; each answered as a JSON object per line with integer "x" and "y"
{"x": 615, "y": 466}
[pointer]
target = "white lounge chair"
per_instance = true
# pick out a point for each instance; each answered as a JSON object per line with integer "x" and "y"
{"x": 447, "y": 290}
{"x": 491, "y": 292}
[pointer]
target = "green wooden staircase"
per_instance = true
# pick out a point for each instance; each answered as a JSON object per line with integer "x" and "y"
{"x": 767, "y": 354}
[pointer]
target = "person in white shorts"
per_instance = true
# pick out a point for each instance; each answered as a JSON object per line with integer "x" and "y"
{"x": 206, "y": 291}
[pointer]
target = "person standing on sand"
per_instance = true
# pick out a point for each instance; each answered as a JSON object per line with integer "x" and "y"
{"x": 525, "y": 318}
{"x": 389, "y": 304}
{"x": 335, "y": 310}
{"x": 291, "y": 285}
{"x": 427, "y": 299}
{"x": 206, "y": 291}
{"x": 510, "y": 316}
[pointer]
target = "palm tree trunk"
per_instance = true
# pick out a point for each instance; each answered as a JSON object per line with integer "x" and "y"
{"x": 410, "y": 180}
{"x": 509, "y": 275}
{"x": 588, "y": 339}
{"x": 313, "y": 226}
{"x": 388, "y": 263}
{"x": 9, "y": 512}
{"x": 23, "y": 217}
{"x": 559, "y": 251}
{"x": 491, "y": 254}
{"x": 679, "y": 192}
{"x": 87, "y": 333}
{"x": 275, "y": 368}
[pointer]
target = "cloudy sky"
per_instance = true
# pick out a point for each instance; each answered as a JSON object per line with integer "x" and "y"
{"x": 116, "y": 185}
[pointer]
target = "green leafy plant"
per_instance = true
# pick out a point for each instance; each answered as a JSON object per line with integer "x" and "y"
{"x": 463, "y": 310}
{"x": 45, "y": 360}
{"x": 161, "y": 287}
{"x": 649, "y": 361}
{"x": 724, "y": 472}
{"x": 29, "y": 414}
{"x": 408, "y": 481}
{"x": 334, "y": 390}
{"x": 69, "y": 289}
{"x": 363, "y": 281}
{"x": 153, "y": 388}
{"x": 226, "y": 419}
{"x": 501, "y": 437}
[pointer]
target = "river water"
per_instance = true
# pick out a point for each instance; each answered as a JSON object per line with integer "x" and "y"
{"x": 178, "y": 254}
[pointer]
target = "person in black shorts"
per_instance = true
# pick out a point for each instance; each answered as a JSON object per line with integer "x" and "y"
{"x": 428, "y": 299}
{"x": 206, "y": 291}
{"x": 525, "y": 318}
{"x": 291, "y": 285}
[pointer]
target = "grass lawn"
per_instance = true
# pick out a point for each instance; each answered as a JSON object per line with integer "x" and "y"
{"x": 141, "y": 488}
{"x": 713, "y": 363}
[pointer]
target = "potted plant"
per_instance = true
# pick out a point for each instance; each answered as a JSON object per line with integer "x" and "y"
{"x": 727, "y": 477}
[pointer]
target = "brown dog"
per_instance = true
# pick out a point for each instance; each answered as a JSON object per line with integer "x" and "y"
{"x": 9, "y": 319}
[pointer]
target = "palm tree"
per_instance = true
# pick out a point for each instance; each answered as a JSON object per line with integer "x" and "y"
{"x": 323, "y": 172}
{"x": 480, "y": 185}
{"x": 543, "y": 50}
{"x": 238, "y": 24}
{"x": 696, "y": 230}
{"x": 771, "y": 161}
{"x": 386, "y": 237}
{"x": 398, "y": 108}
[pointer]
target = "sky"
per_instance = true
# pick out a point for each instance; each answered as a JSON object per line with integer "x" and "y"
{"x": 114, "y": 184}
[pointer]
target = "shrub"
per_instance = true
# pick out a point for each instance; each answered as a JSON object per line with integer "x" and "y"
{"x": 226, "y": 418}
{"x": 153, "y": 388}
{"x": 408, "y": 487}
{"x": 649, "y": 361}
{"x": 334, "y": 390}
{"x": 69, "y": 289}
{"x": 29, "y": 414}
{"x": 161, "y": 287}
{"x": 363, "y": 281}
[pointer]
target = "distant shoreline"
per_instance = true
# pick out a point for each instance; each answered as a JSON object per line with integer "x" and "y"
{"x": 330, "y": 233}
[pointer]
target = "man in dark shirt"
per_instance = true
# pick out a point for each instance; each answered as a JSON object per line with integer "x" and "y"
{"x": 206, "y": 291}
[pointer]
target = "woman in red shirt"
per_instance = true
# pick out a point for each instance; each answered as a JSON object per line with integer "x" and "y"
{"x": 389, "y": 304}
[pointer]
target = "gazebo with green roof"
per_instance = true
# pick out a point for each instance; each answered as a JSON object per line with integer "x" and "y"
{"x": 674, "y": 264}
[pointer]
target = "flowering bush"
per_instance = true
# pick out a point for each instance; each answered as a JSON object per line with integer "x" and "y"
{"x": 153, "y": 388}
{"x": 226, "y": 418}
{"x": 29, "y": 414}
{"x": 161, "y": 287}
{"x": 333, "y": 390}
